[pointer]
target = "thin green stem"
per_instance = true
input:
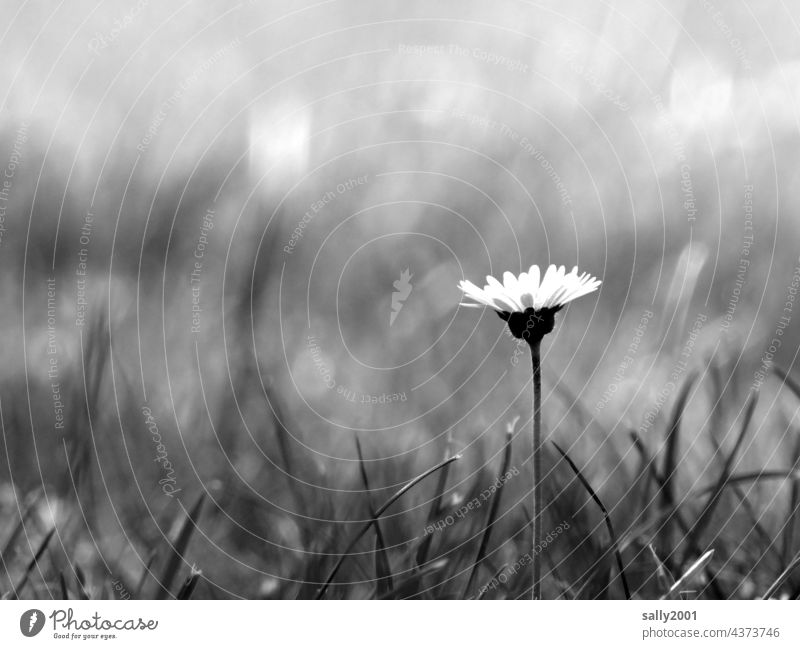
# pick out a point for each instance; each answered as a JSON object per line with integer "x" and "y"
{"x": 537, "y": 469}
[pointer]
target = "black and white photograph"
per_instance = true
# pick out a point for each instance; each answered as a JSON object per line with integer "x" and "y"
{"x": 400, "y": 300}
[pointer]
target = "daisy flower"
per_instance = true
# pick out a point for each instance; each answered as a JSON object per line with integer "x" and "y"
{"x": 528, "y": 303}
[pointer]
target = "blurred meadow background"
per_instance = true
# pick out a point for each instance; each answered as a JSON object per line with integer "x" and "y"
{"x": 230, "y": 240}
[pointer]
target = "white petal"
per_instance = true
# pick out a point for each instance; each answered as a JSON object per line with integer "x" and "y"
{"x": 474, "y": 293}
{"x": 499, "y": 293}
{"x": 531, "y": 289}
{"x": 510, "y": 282}
{"x": 546, "y": 288}
{"x": 533, "y": 286}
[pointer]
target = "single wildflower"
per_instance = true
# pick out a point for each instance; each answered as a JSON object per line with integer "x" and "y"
{"x": 528, "y": 303}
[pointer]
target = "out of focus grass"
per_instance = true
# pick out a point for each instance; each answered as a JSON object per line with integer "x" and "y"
{"x": 717, "y": 471}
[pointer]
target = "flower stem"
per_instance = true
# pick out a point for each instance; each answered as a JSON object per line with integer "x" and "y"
{"x": 537, "y": 469}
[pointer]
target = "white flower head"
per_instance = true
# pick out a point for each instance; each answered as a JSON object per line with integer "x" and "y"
{"x": 529, "y": 301}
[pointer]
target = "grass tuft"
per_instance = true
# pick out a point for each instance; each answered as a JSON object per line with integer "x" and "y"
{"x": 606, "y": 518}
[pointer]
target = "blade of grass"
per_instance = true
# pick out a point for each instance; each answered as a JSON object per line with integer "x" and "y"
{"x": 292, "y": 475}
{"x": 766, "y": 541}
{"x": 189, "y": 585}
{"x": 378, "y": 514}
{"x": 595, "y": 580}
{"x": 32, "y": 500}
{"x": 788, "y": 381}
{"x": 794, "y": 505}
{"x": 646, "y": 468}
{"x": 753, "y": 476}
{"x": 633, "y": 533}
{"x": 63, "y": 584}
{"x": 178, "y": 548}
{"x": 81, "y": 577}
{"x": 492, "y": 516}
{"x": 696, "y": 531}
{"x": 698, "y": 566}
{"x": 770, "y": 592}
{"x": 436, "y": 503}
{"x": 606, "y": 518}
{"x": 410, "y": 584}
{"x": 145, "y": 572}
{"x": 32, "y": 564}
{"x": 669, "y": 471}
{"x": 485, "y": 588}
{"x": 665, "y": 579}
{"x": 383, "y": 573}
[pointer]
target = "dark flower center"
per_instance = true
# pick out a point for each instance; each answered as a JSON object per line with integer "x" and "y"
{"x": 530, "y": 325}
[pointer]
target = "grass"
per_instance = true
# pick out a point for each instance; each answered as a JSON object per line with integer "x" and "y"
{"x": 702, "y": 504}
{"x": 474, "y": 557}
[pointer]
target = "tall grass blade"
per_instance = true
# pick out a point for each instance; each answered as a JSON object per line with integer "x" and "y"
{"x": 665, "y": 579}
{"x": 291, "y": 473}
{"x": 696, "y": 531}
{"x": 145, "y": 572}
{"x": 436, "y": 504}
{"x": 378, "y": 514}
{"x": 770, "y": 592}
{"x": 694, "y": 570}
{"x": 794, "y": 505}
{"x": 34, "y": 562}
{"x": 178, "y": 548}
{"x": 5, "y": 554}
{"x": 383, "y": 573}
{"x": 485, "y": 588}
{"x": 492, "y": 517}
{"x": 411, "y": 584}
{"x": 606, "y": 518}
{"x": 646, "y": 468}
{"x": 81, "y": 577}
{"x": 187, "y": 589}
{"x": 788, "y": 381}
{"x": 754, "y": 476}
{"x": 670, "y": 470}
